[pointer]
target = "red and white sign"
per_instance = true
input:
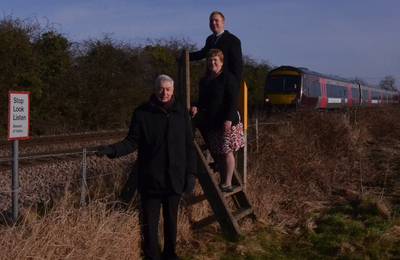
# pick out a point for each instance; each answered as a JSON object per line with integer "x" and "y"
{"x": 18, "y": 115}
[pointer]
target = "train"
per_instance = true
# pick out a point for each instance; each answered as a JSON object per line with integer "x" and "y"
{"x": 298, "y": 87}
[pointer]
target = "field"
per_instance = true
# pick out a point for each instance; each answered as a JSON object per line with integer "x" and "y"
{"x": 324, "y": 185}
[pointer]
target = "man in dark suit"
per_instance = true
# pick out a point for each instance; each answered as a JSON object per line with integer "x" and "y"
{"x": 228, "y": 43}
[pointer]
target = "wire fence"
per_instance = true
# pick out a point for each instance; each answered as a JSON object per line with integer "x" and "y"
{"x": 84, "y": 178}
{"x": 56, "y": 184}
{"x": 85, "y": 152}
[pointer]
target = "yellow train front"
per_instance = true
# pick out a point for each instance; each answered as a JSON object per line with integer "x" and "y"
{"x": 292, "y": 87}
{"x": 283, "y": 87}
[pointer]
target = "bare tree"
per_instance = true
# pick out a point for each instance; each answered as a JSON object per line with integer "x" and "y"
{"x": 360, "y": 81}
{"x": 388, "y": 82}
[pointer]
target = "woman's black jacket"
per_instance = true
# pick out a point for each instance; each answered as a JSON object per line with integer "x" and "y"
{"x": 166, "y": 152}
{"x": 218, "y": 100}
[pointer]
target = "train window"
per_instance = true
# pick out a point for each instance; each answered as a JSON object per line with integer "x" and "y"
{"x": 306, "y": 87}
{"x": 365, "y": 94}
{"x": 283, "y": 83}
{"x": 375, "y": 95}
{"x": 329, "y": 90}
{"x": 355, "y": 93}
{"x": 315, "y": 89}
{"x": 336, "y": 91}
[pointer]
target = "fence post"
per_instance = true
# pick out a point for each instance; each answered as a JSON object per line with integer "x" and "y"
{"x": 257, "y": 135}
{"x": 83, "y": 187}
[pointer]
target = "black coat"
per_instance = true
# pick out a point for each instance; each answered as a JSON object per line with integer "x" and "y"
{"x": 218, "y": 100}
{"x": 230, "y": 46}
{"x": 166, "y": 152}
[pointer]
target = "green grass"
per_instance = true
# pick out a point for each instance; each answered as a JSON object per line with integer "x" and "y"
{"x": 355, "y": 230}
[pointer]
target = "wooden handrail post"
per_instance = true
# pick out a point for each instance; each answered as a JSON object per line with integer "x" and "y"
{"x": 183, "y": 87}
{"x": 242, "y": 153}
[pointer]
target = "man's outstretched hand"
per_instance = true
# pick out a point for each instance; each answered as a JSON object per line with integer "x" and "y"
{"x": 105, "y": 150}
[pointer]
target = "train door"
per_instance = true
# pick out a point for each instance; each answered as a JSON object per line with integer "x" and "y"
{"x": 311, "y": 92}
{"x": 305, "y": 91}
{"x": 349, "y": 98}
{"x": 355, "y": 95}
{"x": 364, "y": 95}
{"x": 369, "y": 97}
{"x": 324, "y": 98}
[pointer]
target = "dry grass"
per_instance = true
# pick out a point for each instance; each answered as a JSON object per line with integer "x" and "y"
{"x": 69, "y": 233}
{"x": 315, "y": 161}
{"x": 321, "y": 157}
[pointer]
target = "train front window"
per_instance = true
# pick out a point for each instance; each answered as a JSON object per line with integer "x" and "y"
{"x": 283, "y": 83}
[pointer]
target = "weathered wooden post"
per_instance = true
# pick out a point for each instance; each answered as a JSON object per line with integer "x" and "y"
{"x": 183, "y": 84}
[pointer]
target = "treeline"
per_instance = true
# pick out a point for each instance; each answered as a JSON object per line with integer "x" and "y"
{"x": 93, "y": 84}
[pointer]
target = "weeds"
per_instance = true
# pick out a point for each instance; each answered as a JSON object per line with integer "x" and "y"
{"x": 323, "y": 187}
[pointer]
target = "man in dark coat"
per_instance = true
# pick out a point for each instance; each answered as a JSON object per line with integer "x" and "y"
{"x": 228, "y": 43}
{"x": 161, "y": 131}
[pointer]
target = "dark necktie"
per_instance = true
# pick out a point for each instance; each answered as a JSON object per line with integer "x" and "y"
{"x": 215, "y": 38}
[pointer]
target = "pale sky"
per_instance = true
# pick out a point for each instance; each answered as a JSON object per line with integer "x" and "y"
{"x": 349, "y": 38}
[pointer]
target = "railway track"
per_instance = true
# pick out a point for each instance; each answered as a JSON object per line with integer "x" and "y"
{"x": 63, "y": 139}
{"x": 34, "y": 159}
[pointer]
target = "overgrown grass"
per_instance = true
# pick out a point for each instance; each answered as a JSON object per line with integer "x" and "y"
{"x": 66, "y": 232}
{"x": 354, "y": 230}
{"x": 323, "y": 187}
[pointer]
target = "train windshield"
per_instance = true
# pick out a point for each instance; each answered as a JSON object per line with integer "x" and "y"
{"x": 283, "y": 83}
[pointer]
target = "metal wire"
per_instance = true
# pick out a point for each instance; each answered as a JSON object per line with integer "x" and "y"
{"x": 5, "y": 159}
{"x": 10, "y": 191}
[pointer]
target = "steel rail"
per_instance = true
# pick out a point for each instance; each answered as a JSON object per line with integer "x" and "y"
{"x": 64, "y": 139}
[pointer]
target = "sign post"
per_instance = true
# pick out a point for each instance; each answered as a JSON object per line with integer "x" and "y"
{"x": 18, "y": 128}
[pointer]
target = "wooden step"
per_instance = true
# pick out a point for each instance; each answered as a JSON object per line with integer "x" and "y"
{"x": 203, "y": 147}
{"x": 242, "y": 212}
{"x": 226, "y": 217}
{"x": 195, "y": 199}
{"x": 236, "y": 189}
{"x": 203, "y": 222}
{"x": 238, "y": 214}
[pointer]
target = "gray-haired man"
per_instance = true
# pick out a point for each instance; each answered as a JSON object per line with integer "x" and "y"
{"x": 161, "y": 131}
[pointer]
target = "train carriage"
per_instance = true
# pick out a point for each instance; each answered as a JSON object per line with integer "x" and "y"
{"x": 289, "y": 86}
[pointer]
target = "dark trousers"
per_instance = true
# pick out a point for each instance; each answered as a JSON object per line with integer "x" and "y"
{"x": 151, "y": 211}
